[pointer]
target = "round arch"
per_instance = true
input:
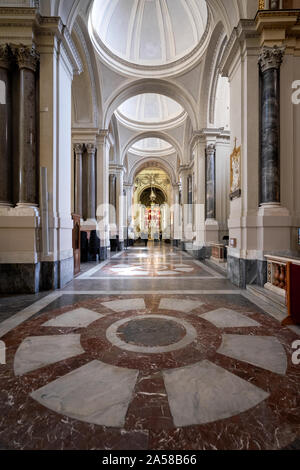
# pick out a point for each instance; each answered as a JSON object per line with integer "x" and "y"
{"x": 161, "y": 87}
{"x": 157, "y": 187}
{"x": 152, "y": 134}
{"x": 151, "y": 162}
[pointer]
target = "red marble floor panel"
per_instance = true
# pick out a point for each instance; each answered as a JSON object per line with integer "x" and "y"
{"x": 272, "y": 424}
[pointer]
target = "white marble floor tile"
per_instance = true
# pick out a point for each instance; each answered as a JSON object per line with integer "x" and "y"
{"x": 225, "y": 318}
{"x": 262, "y": 351}
{"x": 28, "y": 312}
{"x": 185, "y": 270}
{"x": 79, "y": 318}
{"x": 181, "y": 305}
{"x": 166, "y": 273}
{"x": 40, "y": 351}
{"x": 96, "y": 393}
{"x": 124, "y": 305}
{"x": 204, "y": 393}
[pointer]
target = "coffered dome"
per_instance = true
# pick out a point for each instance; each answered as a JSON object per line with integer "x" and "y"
{"x": 149, "y": 32}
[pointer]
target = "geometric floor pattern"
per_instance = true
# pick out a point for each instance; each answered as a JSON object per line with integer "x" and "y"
{"x": 150, "y": 371}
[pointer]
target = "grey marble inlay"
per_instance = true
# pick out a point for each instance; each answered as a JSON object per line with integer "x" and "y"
{"x": 262, "y": 351}
{"x": 79, "y": 318}
{"x": 204, "y": 393}
{"x": 124, "y": 305}
{"x": 40, "y": 351}
{"x": 225, "y": 318}
{"x": 151, "y": 332}
{"x": 181, "y": 305}
{"x": 96, "y": 393}
{"x": 113, "y": 335}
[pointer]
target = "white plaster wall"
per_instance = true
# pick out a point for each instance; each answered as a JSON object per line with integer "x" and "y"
{"x": 64, "y": 161}
{"x": 290, "y": 144}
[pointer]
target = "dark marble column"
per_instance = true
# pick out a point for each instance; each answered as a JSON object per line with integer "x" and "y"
{"x": 270, "y": 60}
{"x": 112, "y": 190}
{"x": 27, "y": 188}
{"x": 210, "y": 182}
{"x": 78, "y": 149}
{"x": 5, "y": 127}
{"x": 91, "y": 181}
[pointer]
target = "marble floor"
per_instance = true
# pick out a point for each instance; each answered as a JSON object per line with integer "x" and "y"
{"x": 148, "y": 350}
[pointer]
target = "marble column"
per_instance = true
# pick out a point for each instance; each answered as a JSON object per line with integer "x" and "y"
{"x": 27, "y": 60}
{"x": 112, "y": 189}
{"x": 177, "y": 225}
{"x": 78, "y": 149}
{"x": 120, "y": 204}
{"x": 211, "y": 182}
{"x": 91, "y": 181}
{"x": 270, "y": 60}
{"x": 5, "y": 128}
{"x": 112, "y": 206}
{"x": 103, "y": 147}
{"x": 186, "y": 226}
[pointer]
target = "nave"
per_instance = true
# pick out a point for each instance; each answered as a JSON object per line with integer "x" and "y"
{"x": 150, "y": 349}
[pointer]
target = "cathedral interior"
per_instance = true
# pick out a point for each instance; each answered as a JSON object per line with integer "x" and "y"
{"x": 149, "y": 225}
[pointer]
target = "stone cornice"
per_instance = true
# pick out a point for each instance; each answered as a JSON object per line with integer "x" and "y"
{"x": 246, "y": 29}
{"x": 41, "y": 26}
{"x": 116, "y": 168}
{"x": 279, "y": 19}
{"x": 102, "y": 136}
{"x": 203, "y": 135}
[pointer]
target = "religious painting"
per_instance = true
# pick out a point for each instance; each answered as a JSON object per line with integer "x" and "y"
{"x": 235, "y": 173}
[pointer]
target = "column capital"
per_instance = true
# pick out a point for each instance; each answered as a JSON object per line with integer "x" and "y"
{"x": 78, "y": 149}
{"x": 211, "y": 148}
{"x": 91, "y": 149}
{"x": 271, "y": 57}
{"x": 26, "y": 57}
{"x": 5, "y": 56}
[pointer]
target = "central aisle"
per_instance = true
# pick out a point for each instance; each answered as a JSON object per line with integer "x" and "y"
{"x": 149, "y": 350}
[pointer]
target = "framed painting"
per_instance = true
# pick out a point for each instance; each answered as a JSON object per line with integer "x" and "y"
{"x": 235, "y": 173}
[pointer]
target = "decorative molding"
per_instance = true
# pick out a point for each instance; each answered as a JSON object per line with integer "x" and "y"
{"x": 245, "y": 29}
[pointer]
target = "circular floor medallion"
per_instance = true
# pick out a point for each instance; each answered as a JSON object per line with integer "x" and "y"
{"x": 152, "y": 334}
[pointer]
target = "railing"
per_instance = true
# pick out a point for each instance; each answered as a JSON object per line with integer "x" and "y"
{"x": 276, "y": 273}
